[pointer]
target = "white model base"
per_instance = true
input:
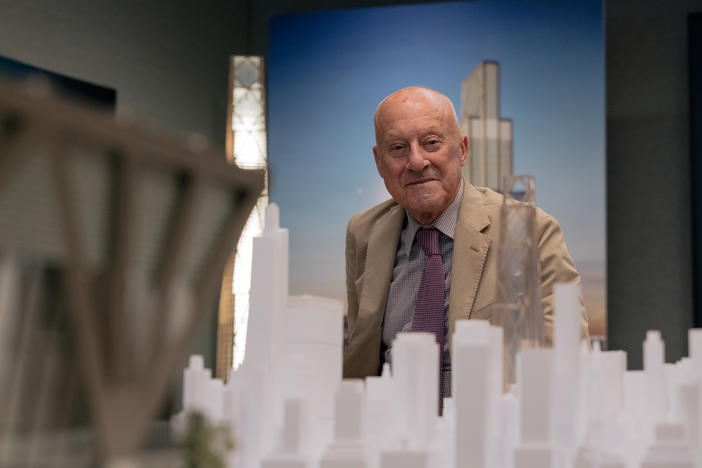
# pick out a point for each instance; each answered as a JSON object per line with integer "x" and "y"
{"x": 404, "y": 459}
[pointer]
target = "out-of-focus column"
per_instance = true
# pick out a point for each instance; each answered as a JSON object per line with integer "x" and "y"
{"x": 654, "y": 357}
{"x": 535, "y": 382}
{"x": 415, "y": 369}
{"x": 471, "y": 392}
{"x": 269, "y": 293}
{"x": 566, "y": 343}
{"x": 312, "y": 364}
{"x": 289, "y": 450}
{"x": 348, "y": 449}
{"x": 381, "y": 423}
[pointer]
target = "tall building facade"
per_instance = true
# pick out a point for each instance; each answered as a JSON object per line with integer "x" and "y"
{"x": 489, "y": 135}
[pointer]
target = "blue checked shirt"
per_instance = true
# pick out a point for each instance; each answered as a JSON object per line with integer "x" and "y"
{"x": 407, "y": 274}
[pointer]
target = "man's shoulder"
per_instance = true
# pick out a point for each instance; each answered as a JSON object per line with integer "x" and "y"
{"x": 363, "y": 221}
{"x": 482, "y": 195}
{"x": 493, "y": 202}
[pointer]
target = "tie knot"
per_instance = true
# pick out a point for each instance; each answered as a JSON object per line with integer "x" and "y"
{"x": 429, "y": 240}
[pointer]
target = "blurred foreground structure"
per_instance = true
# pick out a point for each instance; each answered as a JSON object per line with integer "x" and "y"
{"x": 571, "y": 407}
{"x": 246, "y": 147}
{"x": 112, "y": 245}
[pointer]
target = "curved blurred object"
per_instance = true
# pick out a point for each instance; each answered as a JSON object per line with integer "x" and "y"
{"x": 112, "y": 245}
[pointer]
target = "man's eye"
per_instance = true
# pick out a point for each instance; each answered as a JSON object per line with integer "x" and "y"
{"x": 396, "y": 148}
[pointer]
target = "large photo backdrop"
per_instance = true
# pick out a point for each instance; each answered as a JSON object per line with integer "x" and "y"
{"x": 542, "y": 69}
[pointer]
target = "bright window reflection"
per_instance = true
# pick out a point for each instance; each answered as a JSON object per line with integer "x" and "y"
{"x": 249, "y": 129}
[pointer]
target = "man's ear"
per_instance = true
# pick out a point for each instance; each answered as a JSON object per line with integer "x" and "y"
{"x": 377, "y": 161}
{"x": 465, "y": 150}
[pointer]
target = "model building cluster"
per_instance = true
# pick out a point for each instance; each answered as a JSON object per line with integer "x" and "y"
{"x": 572, "y": 405}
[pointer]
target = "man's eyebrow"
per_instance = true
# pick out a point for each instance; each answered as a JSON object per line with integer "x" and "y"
{"x": 392, "y": 135}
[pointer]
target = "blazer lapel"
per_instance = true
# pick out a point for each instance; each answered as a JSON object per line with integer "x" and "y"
{"x": 380, "y": 259}
{"x": 470, "y": 248}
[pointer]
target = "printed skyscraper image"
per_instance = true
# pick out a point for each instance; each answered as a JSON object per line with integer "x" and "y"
{"x": 525, "y": 78}
{"x": 489, "y": 135}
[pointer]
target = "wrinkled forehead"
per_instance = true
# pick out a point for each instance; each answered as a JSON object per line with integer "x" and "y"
{"x": 418, "y": 126}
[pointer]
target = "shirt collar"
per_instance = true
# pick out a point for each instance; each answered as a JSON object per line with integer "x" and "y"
{"x": 445, "y": 223}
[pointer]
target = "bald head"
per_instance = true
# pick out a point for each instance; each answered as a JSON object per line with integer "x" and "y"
{"x": 419, "y": 151}
{"x": 414, "y": 98}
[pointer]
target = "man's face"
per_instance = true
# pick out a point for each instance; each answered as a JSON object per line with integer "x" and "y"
{"x": 419, "y": 151}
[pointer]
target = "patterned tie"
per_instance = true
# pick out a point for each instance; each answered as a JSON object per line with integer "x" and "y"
{"x": 429, "y": 307}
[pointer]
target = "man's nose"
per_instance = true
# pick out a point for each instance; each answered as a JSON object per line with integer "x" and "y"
{"x": 416, "y": 160}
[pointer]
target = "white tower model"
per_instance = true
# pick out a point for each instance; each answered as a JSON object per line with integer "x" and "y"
{"x": 381, "y": 425}
{"x": 534, "y": 379}
{"x": 289, "y": 453}
{"x": 415, "y": 364}
{"x": 312, "y": 365}
{"x": 269, "y": 293}
{"x": 257, "y": 400}
{"x": 471, "y": 392}
{"x": 654, "y": 357}
{"x": 347, "y": 450}
{"x": 565, "y": 416}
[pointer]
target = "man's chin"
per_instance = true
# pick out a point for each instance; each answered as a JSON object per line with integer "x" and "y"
{"x": 425, "y": 201}
{"x": 424, "y": 210}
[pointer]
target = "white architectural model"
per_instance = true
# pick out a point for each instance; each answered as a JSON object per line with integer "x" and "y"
{"x": 572, "y": 407}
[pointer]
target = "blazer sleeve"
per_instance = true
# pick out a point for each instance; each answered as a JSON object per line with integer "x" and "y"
{"x": 557, "y": 266}
{"x": 351, "y": 293}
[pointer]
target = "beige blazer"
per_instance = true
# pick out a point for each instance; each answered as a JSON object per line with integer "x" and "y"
{"x": 371, "y": 244}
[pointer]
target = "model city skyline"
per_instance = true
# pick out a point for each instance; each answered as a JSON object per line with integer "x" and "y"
{"x": 570, "y": 406}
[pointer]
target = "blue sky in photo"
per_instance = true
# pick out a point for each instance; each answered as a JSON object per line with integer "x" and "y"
{"x": 326, "y": 73}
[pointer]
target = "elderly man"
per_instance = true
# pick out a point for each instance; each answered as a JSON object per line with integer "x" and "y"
{"x": 428, "y": 257}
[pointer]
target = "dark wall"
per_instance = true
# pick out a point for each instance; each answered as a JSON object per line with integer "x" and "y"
{"x": 168, "y": 60}
{"x": 695, "y": 63}
{"x": 648, "y": 175}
